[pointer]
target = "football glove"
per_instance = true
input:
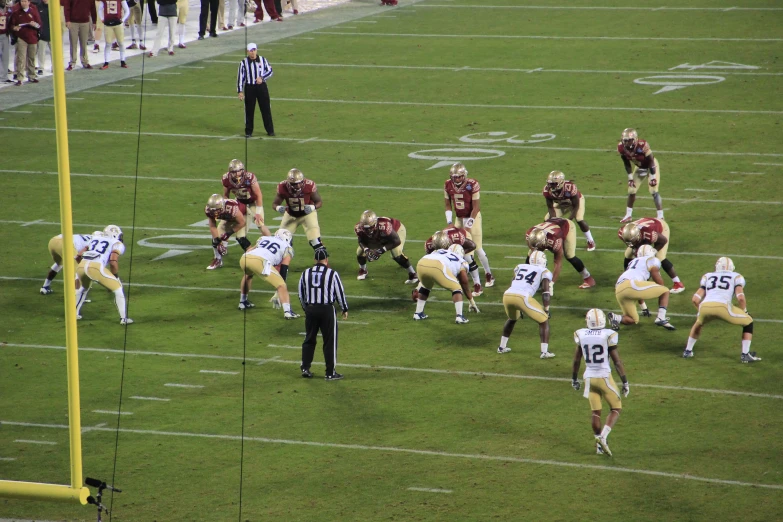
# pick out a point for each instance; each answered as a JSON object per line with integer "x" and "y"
{"x": 308, "y": 209}
{"x": 469, "y": 223}
{"x": 626, "y": 389}
{"x": 276, "y": 304}
{"x": 631, "y": 183}
{"x": 472, "y": 307}
{"x": 373, "y": 255}
{"x": 280, "y": 209}
{"x": 646, "y": 313}
{"x": 653, "y": 181}
{"x": 222, "y": 249}
{"x": 575, "y": 384}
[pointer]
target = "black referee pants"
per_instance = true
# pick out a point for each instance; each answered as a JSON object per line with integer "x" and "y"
{"x": 255, "y": 92}
{"x": 208, "y": 7}
{"x": 323, "y": 318}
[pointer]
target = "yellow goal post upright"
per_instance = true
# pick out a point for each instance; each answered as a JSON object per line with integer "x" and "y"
{"x": 76, "y": 490}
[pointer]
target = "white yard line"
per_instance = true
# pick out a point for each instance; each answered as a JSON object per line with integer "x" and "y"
{"x": 420, "y": 452}
{"x": 431, "y": 490}
{"x": 112, "y": 412}
{"x": 175, "y": 385}
{"x": 167, "y": 72}
{"x": 724, "y": 181}
{"x": 6, "y": 459}
{"x": 352, "y": 322}
{"x": 436, "y": 371}
{"x": 701, "y": 190}
{"x": 19, "y": 112}
{"x": 42, "y": 104}
{"x": 124, "y": 85}
{"x": 87, "y": 429}
{"x": 747, "y": 173}
{"x": 286, "y": 346}
{"x": 219, "y": 372}
{"x": 770, "y": 164}
{"x": 44, "y": 442}
{"x": 264, "y": 361}
{"x": 139, "y": 398}
{"x": 599, "y": 8}
{"x": 191, "y": 67}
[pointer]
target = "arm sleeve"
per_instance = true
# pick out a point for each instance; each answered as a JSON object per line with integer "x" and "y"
{"x": 100, "y": 10}
{"x": 241, "y": 76}
{"x": 338, "y": 286}
{"x": 266, "y": 69}
{"x": 302, "y": 297}
{"x": 125, "y": 11}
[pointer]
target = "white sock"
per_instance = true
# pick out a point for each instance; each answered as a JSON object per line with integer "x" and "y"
{"x": 420, "y": 305}
{"x": 675, "y": 279}
{"x": 643, "y": 305}
{"x": 286, "y": 307}
{"x": 544, "y": 347}
{"x": 628, "y": 211}
{"x": 181, "y": 31}
{"x": 458, "y": 307}
{"x": 242, "y": 297}
{"x": 483, "y": 260}
{"x": 605, "y": 432}
{"x": 363, "y": 267}
{"x": 217, "y": 256}
{"x": 411, "y": 270}
{"x": 745, "y": 346}
{"x": 691, "y": 343}
{"x": 81, "y": 296}
{"x": 585, "y": 274}
{"x": 475, "y": 275}
{"x": 139, "y": 34}
{"x": 106, "y": 52}
{"x": 122, "y": 53}
{"x": 660, "y": 214}
{"x": 119, "y": 300}
{"x": 661, "y": 313}
{"x": 503, "y": 341}
{"x": 47, "y": 283}
{"x": 589, "y": 236}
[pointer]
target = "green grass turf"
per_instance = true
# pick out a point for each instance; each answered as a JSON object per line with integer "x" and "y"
{"x": 475, "y": 426}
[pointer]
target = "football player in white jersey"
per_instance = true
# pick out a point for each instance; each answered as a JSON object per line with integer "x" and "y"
{"x": 448, "y": 269}
{"x": 56, "y": 251}
{"x": 633, "y": 286}
{"x": 104, "y": 250}
{"x": 597, "y": 345}
{"x": 519, "y": 299}
{"x": 714, "y": 298}
{"x": 263, "y": 260}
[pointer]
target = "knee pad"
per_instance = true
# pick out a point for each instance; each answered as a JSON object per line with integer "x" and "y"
{"x": 455, "y": 292}
{"x": 748, "y": 328}
{"x": 473, "y": 266}
{"x": 577, "y": 264}
{"x": 666, "y": 265}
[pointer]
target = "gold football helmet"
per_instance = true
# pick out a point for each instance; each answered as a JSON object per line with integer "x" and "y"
{"x": 555, "y": 180}
{"x": 236, "y": 169}
{"x": 596, "y": 319}
{"x": 458, "y": 175}
{"x": 630, "y": 234}
{"x": 629, "y": 138}
{"x": 440, "y": 240}
{"x": 537, "y": 239}
{"x": 215, "y": 204}
{"x": 369, "y": 220}
{"x": 295, "y": 181}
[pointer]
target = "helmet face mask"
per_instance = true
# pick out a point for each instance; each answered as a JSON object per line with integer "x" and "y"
{"x": 295, "y": 181}
{"x": 369, "y": 221}
{"x": 596, "y": 319}
{"x": 631, "y": 234}
{"x": 538, "y": 258}
{"x": 629, "y": 138}
{"x": 724, "y": 264}
{"x": 236, "y": 170}
{"x": 458, "y": 175}
{"x": 555, "y": 181}
{"x": 440, "y": 240}
{"x": 284, "y": 234}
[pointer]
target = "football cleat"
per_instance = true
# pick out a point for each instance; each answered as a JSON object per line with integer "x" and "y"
{"x": 665, "y": 324}
{"x": 306, "y": 373}
{"x": 246, "y": 305}
{"x": 626, "y": 219}
{"x": 216, "y": 263}
{"x": 490, "y": 280}
{"x": 45, "y": 290}
{"x": 503, "y": 350}
{"x": 598, "y": 449}
{"x": 420, "y": 316}
{"x": 603, "y": 445}
{"x": 362, "y": 274}
{"x": 412, "y": 279}
{"x": 125, "y": 321}
{"x": 79, "y": 318}
{"x": 749, "y": 357}
{"x": 590, "y": 246}
{"x": 288, "y": 314}
{"x": 477, "y": 291}
{"x": 677, "y": 288}
{"x": 546, "y": 355}
{"x": 588, "y": 283}
{"x": 334, "y": 376}
{"x": 687, "y": 354}
{"x": 132, "y": 46}
{"x": 461, "y": 320}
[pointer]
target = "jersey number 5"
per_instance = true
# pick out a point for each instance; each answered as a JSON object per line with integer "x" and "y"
{"x": 593, "y": 354}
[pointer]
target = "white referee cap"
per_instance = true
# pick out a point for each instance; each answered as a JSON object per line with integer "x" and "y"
{"x": 252, "y": 47}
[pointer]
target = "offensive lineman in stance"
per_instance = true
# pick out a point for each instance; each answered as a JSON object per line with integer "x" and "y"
{"x": 443, "y": 239}
{"x": 269, "y": 260}
{"x": 558, "y": 236}
{"x": 463, "y": 193}
{"x": 302, "y": 200}
{"x": 714, "y": 301}
{"x": 519, "y": 299}
{"x": 597, "y": 344}
{"x": 639, "y": 163}
{"x": 562, "y": 196}
{"x": 447, "y": 268}
{"x": 376, "y": 236}
{"x": 654, "y": 232}
{"x": 226, "y": 216}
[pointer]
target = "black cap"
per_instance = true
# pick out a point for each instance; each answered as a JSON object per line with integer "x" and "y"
{"x": 321, "y": 254}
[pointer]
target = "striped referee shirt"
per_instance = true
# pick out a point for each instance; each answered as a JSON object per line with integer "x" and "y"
{"x": 320, "y": 285}
{"x": 250, "y": 70}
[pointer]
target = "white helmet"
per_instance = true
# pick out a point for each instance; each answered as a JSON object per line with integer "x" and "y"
{"x": 457, "y": 249}
{"x": 595, "y": 319}
{"x": 538, "y": 258}
{"x": 284, "y": 234}
{"x": 97, "y": 233}
{"x": 724, "y": 264}
{"x": 646, "y": 251}
{"x": 113, "y": 231}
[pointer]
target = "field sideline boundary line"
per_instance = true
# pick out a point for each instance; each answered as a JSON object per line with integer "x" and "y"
{"x": 413, "y": 451}
{"x": 599, "y": 8}
{"x": 438, "y": 371}
{"x": 551, "y": 37}
{"x": 360, "y": 297}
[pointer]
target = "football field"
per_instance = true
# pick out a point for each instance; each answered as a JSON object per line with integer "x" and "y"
{"x": 197, "y": 411}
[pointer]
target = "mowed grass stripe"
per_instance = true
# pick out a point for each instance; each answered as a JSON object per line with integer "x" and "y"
{"x": 597, "y": 7}
{"x": 551, "y": 37}
{"x": 413, "y": 451}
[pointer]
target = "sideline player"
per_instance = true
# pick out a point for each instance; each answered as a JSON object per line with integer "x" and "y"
{"x": 519, "y": 299}
{"x": 104, "y": 249}
{"x": 302, "y": 200}
{"x": 462, "y": 194}
{"x": 713, "y": 299}
{"x": 448, "y": 269}
{"x": 639, "y": 164}
{"x": 633, "y": 286}
{"x": 595, "y": 343}
{"x": 655, "y": 232}
{"x": 263, "y": 260}
{"x": 226, "y": 217}
{"x": 244, "y": 186}
{"x": 457, "y": 236}
{"x": 113, "y": 14}
{"x": 563, "y": 196}
{"x": 56, "y": 251}
{"x": 376, "y": 235}
{"x": 558, "y": 236}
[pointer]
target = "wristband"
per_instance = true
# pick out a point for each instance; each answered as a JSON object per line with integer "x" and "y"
{"x": 741, "y": 294}
{"x": 630, "y": 176}
{"x": 697, "y": 296}
{"x": 215, "y": 242}
{"x": 449, "y": 215}
{"x": 625, "y": 381}
{"x": 227, "y": 235}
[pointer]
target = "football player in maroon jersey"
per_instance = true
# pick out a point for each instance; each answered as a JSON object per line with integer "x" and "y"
{"x": 640, "y": 163}
{"x": 650, "y": 231}
{"x": 562, "y": 196}
{"x": 377, "y": 235}
{"x": 457, "y": 236}
{"x": 558, "y": 236}
{"x": 226, "y": 217}
{"x": 244, "y": 186}
{"x": 463, "y": 195}
{"x": 302, "y": 200}
{"x": 113, "y": 13}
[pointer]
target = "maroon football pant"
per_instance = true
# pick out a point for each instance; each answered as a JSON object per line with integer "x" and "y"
{"x": 270, "y": 8}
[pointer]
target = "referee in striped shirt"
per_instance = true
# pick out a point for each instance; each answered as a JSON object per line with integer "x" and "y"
{"x": 319, "y": 287}
{"x": 254, "y": 71}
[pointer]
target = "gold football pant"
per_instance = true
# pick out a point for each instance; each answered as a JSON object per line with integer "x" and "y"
{"x": 516, "y": 305}
{"x": 723, "y": 311}
{"x": 308, "y": 221}
{"x": 224, "y": 227}
{"x": 56, "y": 249}
{"x": 629, "y": 292}
{"x": 254, "y": 266}
{"x": 646, "y": 180}
{"x": 475, "y": 231}
{"x": 91, "y": 270}
{"x": 565, "y": 210}
{"x": 597, "y": 388}
{"x": 432, "y": 271}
